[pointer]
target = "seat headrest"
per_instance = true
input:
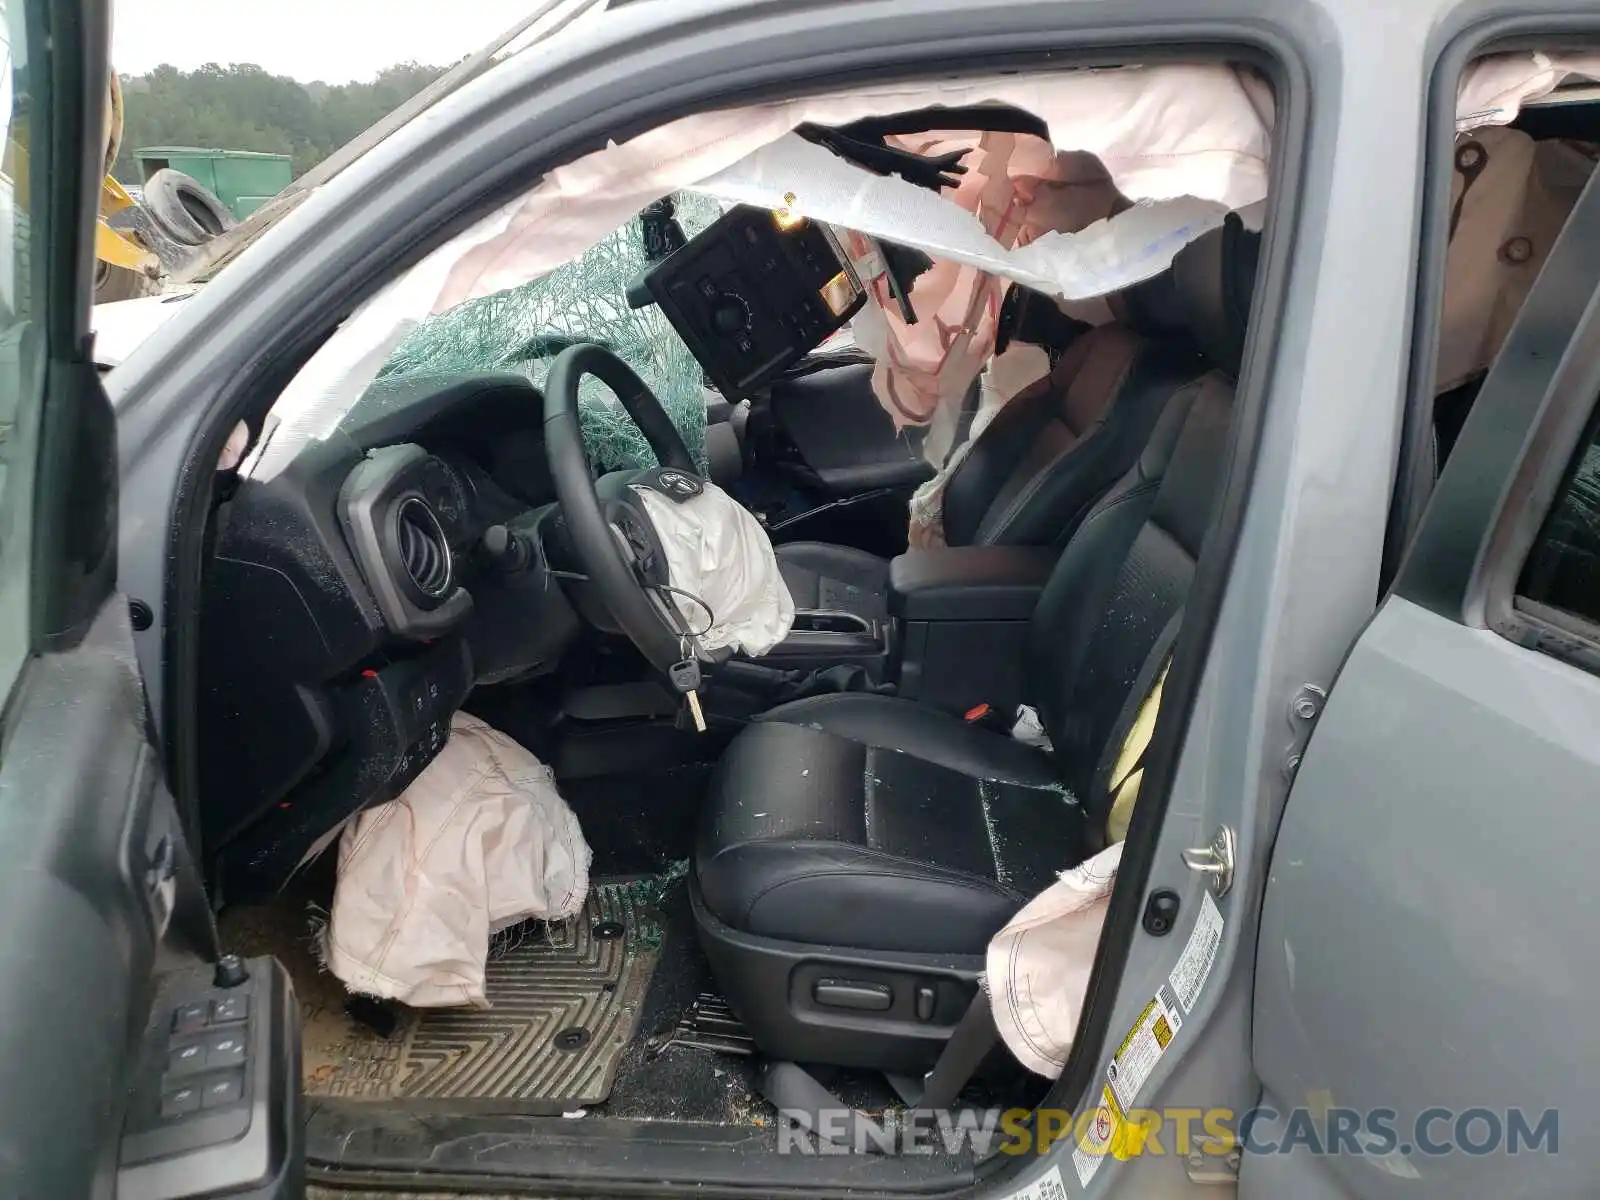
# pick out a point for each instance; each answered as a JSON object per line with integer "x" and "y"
{"x": 1213, "y": 278}
{"x": 1150, "y": 307}
{"x": 1204, "y": 295}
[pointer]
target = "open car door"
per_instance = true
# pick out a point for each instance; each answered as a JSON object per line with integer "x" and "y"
{"x": 1426, "y": 958}
{"x": 132, "y": 1062}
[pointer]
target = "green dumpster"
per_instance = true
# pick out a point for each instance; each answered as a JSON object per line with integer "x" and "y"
{"x": 244, "y": 180}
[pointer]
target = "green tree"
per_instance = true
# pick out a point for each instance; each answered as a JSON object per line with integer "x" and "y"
{"x": 242, "y": 107}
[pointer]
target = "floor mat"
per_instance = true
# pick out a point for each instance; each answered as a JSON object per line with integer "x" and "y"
{"x": 566, "y": 1002}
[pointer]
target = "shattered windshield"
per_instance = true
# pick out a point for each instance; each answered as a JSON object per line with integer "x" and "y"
{"x": 523, "y": 329}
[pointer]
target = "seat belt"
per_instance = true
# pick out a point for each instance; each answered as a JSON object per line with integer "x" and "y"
{"x": 798, "y": 1097}
{"x": 970, "y": 1042}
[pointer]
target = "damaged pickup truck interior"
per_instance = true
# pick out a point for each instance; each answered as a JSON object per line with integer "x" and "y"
{"x": 653, "y": 651}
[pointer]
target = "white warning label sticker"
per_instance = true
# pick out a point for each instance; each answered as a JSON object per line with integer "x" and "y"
{"x": 1146, "y": 1042}
{"x": 1194, "y": 965}
{"x": 1047, "y": 1187}
{"x": 1110, "y": 1131}
{"x": 1097, "y": 1137}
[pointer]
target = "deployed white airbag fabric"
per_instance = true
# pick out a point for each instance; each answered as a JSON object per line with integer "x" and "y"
{"x": 1038, "y": 966}
{"x": 1111, "y": 253}
{"x": 1494, "y": 88}
{"x": 718, "y": 551}
{"x": 480, "y": 841}
{"x": 1172, "y": 132}
{"x": 1162, "y": 131}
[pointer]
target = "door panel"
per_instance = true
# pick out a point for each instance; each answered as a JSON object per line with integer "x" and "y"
{"x": 827, "y": 465}
{"x": 844, "y": 440}
{"x": 89, "y": 848}
{"x": 1427, "y": 941}
{"x": 118, "y": 1076}
{"x": 1426, "y": 963}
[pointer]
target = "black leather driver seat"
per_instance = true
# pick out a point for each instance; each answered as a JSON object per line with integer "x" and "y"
{"x": 1047, "y": 456}
{"x": 857, "y": 852}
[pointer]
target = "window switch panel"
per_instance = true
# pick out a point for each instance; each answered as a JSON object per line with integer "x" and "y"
{"x": 187, "y": 1059}
{"x": 222, "y": 1090}
{"x": 225, "y": 1050}
{"x": 180, "y": 1102}
{"x": 190, "y": 1018}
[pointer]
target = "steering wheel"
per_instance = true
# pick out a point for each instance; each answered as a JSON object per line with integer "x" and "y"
{"x": 596, "y": 541}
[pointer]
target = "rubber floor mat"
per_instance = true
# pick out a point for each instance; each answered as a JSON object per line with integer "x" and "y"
{"x": 565, "y": 998}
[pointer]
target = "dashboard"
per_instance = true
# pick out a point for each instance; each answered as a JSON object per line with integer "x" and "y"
{"x": 349, "y": 606}
{"x": 363, "y": 581}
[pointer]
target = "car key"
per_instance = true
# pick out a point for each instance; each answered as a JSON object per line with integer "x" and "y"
{"x": 685, "y": 677}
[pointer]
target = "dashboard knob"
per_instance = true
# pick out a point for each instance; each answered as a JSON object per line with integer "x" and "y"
{"x": 730, "y": 315}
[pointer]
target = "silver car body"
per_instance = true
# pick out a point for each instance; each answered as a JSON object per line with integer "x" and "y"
{"x": 1412, "y": 934}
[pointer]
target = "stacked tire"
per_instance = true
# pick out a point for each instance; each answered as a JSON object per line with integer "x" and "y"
{"x": 177, "y": 214}
{"x": 184, "y": 208}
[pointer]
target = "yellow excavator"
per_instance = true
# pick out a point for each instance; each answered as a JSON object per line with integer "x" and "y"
{"x": 128, "y": 250}
{"x": 128, "y": 259}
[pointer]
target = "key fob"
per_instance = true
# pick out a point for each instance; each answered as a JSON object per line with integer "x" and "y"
{"x": 685, "y": 675}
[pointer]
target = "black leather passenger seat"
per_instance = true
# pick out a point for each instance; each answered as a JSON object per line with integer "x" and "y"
{"x": 900, "y": 825}
{"x": 1037, "y": 468}
{"x": 857, "y": 852}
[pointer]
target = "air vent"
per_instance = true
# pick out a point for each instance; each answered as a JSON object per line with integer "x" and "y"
{"x": 424, "y": 552}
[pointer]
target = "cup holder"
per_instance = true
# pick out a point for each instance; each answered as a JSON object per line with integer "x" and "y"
{"x": 819, "y": 638}
{"x": 806, "y": 621}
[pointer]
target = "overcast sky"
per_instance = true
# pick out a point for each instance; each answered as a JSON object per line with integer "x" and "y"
{"x": 335, "y": 41}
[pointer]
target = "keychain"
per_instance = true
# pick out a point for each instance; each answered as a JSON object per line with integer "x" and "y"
{"x": 685, "y": 677}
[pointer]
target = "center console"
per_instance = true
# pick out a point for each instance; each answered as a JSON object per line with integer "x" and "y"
{"x": 963, "y": 613}
{"x": 825, "y": 639}
{"x": 956, "y": 632}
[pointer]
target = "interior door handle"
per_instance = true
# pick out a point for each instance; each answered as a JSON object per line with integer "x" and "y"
{"x": 1215, "y": 860}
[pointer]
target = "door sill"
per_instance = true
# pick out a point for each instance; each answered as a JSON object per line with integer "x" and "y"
{"x": 360, "y": 1146}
